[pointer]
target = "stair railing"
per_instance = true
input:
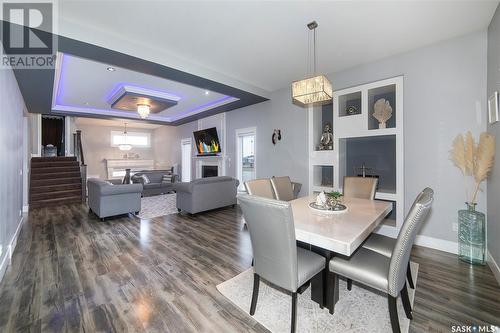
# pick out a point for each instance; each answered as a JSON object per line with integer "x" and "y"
{"x": 78, "y": 150}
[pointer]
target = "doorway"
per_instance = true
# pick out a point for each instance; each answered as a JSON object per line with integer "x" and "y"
{"x": 186, "y": 160}
{"x": 53, "y": 136}
{"x": 246, "y": 162}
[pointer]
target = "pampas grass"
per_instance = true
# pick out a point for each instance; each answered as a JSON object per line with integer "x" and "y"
{"x": 474, "y": 161}
{"x": 458, "y": 153}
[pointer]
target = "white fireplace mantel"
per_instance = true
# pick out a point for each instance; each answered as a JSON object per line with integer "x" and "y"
{"x": 219, "y": 161}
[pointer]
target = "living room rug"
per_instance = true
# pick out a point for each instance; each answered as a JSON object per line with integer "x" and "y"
{"x": 358, "y": 310}
{"x": 157, "y": 205}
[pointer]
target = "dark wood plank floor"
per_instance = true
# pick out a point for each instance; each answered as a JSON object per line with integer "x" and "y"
{"x": 73, "y": 273}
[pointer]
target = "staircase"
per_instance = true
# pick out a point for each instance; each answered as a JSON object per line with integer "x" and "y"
{"x": 55, "y": 181}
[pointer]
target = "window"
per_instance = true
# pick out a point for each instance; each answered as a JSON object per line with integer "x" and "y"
{"x": 186, "y": 160}
{"x": 135, "y": 139}
{"x": 245, "y": 152}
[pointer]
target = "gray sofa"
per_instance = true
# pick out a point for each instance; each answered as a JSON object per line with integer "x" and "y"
{"x": 106, "y": 199}
{"x": 156, "y": 186}
{"x": 206, "y": 193}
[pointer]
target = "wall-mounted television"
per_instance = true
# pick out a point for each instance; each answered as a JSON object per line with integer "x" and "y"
{"x": 207, "y": 142}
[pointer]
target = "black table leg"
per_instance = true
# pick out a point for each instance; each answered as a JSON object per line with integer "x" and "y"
{"x": 321, "y": 290}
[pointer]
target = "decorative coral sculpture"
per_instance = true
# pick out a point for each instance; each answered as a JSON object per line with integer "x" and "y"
{"x": 382, "y": 111}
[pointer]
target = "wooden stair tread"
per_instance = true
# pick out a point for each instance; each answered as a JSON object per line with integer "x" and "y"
{"x": 40, "y": 176}
{"x": 55, "y": 181}
{"x": 55, "y": 201}
{"x": 55, "y": 187}
{"x": 37, "y": 165}
{"x": 52, "y": 159}
{"x": 46, "y": 170}
{"x": 55, "y": 194}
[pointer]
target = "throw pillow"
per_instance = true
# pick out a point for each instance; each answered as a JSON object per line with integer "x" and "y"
{"x": 145, "y": 179}
{"x": 167, "y": 178}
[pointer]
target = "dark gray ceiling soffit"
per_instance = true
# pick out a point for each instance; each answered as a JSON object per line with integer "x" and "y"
{"x": 36, "y": 85}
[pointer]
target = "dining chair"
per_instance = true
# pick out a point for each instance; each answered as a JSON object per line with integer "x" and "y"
{"x": 260, "y": 187}
{"x": 277, "y": 259}
{"x": 384, "y": 245}
{"x": 283, "y": 188}
{"x": 386, "y": 274}
{"x": 360, "y": 187}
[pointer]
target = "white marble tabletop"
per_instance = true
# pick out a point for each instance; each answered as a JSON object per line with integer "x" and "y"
{"x": 342, "y": 233}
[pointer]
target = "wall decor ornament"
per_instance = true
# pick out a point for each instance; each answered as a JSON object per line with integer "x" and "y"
{"x": 326, "y": 140}
{"x": 382, "y": 111}
{"x": 493, "y": 108}
{"x": 475, "y": 161}
{"x": 276, "y": 136}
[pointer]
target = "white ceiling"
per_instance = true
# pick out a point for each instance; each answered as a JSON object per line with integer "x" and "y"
{"x": 86, "y": 86}
{"x": 264, "y": 43}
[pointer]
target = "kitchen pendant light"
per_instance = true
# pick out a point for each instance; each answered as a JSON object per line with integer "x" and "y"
{"x": 124, "y": 146}
{"x": 315, "y": 90}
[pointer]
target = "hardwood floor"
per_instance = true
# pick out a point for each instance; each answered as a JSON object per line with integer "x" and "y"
{"x": 71, "y": 273}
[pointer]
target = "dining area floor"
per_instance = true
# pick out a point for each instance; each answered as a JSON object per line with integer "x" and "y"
{"x": 71, "y": 272}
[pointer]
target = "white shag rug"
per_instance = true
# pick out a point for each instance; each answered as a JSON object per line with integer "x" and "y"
{"x": 358, "y": 310}
{"x": 157, "y": 205}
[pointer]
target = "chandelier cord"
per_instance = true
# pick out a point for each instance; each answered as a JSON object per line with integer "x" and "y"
{"x": 314, "y": 41}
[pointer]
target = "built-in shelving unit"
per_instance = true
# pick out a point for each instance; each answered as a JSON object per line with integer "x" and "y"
{"x": 361, "y": 146}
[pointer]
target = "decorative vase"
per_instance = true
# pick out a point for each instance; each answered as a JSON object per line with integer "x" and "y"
{"x": 471, "y": 235}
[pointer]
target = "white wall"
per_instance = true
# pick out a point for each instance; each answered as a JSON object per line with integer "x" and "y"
{"x": 165, "y": 147}
{"x": 96, "y": 142}
{"x": 444, "y": 94}
{"x": 493, "y": 217}
{"x": 12, "y": 156}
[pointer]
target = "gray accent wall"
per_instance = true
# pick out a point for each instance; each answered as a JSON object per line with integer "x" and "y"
{"x": 12, "y": 151}
{"x": 289, "y": 156}
{"x": 444, "y": 94}
{"x": 493, "y": 217}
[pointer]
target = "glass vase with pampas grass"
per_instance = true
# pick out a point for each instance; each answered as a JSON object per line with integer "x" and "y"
{"x": 475, "y": 161}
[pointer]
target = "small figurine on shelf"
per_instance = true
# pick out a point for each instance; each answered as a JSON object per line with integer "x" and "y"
{"x": 326, "y": 141}
{"x": 382, "y": 111}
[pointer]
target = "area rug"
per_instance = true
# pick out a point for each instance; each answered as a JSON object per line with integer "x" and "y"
{"x": 358, "y": 310}
{"x": 157, "y": 205}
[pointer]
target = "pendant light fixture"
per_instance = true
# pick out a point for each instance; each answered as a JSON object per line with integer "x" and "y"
{"x": 124, "y": 146}
{"x": 315, "y": 90}
{"x": 143, "y": 110}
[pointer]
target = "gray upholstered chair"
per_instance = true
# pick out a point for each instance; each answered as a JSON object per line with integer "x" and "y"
{"x": 384, "y": 245}
{"x": 360, "y": 187}
{"x": 277, "y": 259}
{"x": 260, "y": 188}
{"x": 381, "y": 272}
{"x": 283, "y": 188}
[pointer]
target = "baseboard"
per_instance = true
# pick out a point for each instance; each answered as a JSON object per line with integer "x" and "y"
{"x": 493, "y": 266}
{"x": 421, "y": 240}
{"x": 9, "y": 250}
{"x": 437, "y": 244}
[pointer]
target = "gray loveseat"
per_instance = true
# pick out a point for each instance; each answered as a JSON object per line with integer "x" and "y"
{"x": 206, "y": 193}
{"x": 156, "y": 185}
{"x": 106, "y": 199}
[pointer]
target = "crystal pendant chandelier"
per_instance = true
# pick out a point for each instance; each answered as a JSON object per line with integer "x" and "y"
{"x": 315, "y": 90}
{"x": 124, "y": 145}
{"x": 143, "y": 110}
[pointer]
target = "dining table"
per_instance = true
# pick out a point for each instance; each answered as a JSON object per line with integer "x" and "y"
{"x": 335, "y": 233}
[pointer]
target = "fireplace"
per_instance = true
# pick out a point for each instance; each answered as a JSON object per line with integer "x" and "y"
{"x": 209, "y": 171}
